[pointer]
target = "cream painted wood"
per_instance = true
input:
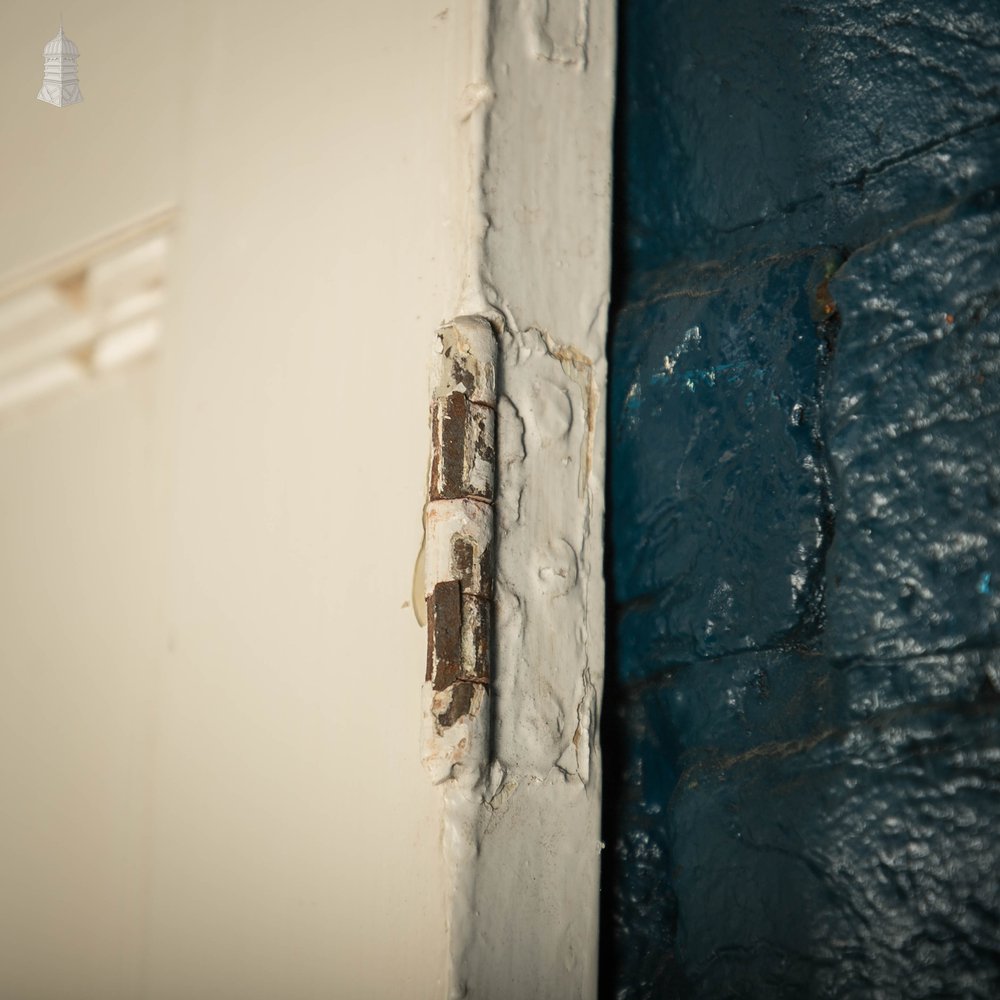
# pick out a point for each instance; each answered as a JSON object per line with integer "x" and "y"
{"x": 210, "y": 733}
{"x": 210, "y": 722}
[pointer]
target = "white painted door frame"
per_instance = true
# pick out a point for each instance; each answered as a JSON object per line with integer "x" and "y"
{"x": 515, "y": 533}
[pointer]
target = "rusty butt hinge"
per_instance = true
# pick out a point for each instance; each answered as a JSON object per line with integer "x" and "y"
{"x": 459, "y": 558}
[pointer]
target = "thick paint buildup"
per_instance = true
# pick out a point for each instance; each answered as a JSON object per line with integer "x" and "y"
{"x": 521, "y": 837}
{"x": 802, "y": 726}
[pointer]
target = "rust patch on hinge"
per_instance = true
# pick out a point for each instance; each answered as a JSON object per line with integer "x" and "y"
{"x": 477, "y": 623}
{"x": 462, "y": 695}
{"x": 472, "y": 566}
{"x": 458, "y": 636}
{"x": 444, "y": 634}
{"x": 449, "y": 418}
{"x": 463, "y": 451}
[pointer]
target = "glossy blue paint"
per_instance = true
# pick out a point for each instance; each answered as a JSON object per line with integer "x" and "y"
{"x": 802, "y": 725}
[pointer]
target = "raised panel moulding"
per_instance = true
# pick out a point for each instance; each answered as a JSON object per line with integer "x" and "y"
{"x": 93, "y": 309}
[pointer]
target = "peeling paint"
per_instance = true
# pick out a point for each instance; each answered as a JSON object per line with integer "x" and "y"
{"x": 458, "y": 564}
{"x": 463, "y": 449}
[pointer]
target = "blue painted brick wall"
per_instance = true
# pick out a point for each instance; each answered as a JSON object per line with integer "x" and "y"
{"x": 802, "y": 726}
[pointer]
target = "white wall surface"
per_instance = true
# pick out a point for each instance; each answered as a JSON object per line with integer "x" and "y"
{"x": 209, "y": 685}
